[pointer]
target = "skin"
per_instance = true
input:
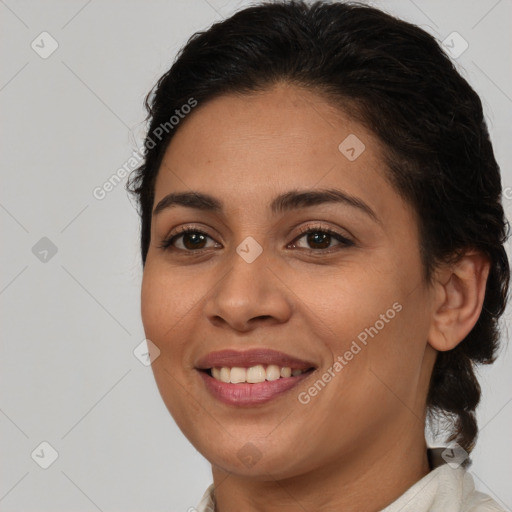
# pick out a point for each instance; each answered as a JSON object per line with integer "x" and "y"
{"x": 365, "y": 429}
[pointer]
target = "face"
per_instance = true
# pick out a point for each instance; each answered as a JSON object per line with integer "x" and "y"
{"x": 273, "y": 276}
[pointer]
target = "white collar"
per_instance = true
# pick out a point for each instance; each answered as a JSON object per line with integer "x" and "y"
{"x": 444, "y": 489}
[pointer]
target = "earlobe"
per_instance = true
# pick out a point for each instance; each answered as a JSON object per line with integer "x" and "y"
{"x": 459, "y": 296}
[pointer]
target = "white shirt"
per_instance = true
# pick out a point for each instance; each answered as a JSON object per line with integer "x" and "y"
{"x": 444, "y": 489}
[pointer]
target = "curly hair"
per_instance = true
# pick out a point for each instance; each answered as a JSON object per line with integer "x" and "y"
{"x": 393, "y": 77}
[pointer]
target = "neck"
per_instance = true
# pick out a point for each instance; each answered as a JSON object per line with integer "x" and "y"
{"x": 368, "y": 481}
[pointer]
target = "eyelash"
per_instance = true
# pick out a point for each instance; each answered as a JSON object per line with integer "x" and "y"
{"x": 344, "y": 242}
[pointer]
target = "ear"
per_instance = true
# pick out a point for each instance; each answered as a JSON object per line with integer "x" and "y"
{"x": 459, "y": 296}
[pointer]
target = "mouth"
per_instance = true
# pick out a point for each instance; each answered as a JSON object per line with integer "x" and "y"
{"x": 246, "y": 394}
{"x": 251, "y": 377}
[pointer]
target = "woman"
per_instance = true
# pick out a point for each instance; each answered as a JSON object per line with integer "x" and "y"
{"x": 322, "y": 240}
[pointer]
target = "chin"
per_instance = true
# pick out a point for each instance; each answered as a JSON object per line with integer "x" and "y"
{"x": 256, "y": 456}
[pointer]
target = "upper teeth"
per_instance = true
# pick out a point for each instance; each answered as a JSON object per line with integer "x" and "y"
{"x": 254, "y": 374}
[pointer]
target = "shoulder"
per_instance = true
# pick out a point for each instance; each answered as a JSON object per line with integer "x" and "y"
{"x": 444, "y": 489}
{"x": 475, "y": 501}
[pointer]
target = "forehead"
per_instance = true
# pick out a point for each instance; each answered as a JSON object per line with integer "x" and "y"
{"x": 246, "y": 149}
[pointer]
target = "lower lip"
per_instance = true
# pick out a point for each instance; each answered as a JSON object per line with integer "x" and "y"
{"x": 245, "y": 394}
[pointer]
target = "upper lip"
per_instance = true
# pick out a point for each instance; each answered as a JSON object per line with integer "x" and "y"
{"x": 248, "y": 358}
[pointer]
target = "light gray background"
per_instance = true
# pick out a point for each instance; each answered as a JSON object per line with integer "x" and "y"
{"x": 69, "y": 325}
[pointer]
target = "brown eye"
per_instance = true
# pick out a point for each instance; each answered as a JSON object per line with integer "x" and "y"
{"x": 320, "y": 239}
{"x": 193, "y": 240}
{"x": 189, "y": 240}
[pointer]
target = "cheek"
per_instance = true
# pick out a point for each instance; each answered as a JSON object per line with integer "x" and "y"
{"x": 350, "y": 302}
{"x": 165, "y": 297}
{"x": 161, "y": 312}
{"x": 375, "y": 319}
{"x": 160, "y": 309}
{"x": 170, "y": 309}
{"x": 152, "y": 309}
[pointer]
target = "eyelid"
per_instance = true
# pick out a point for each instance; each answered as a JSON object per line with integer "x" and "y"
{"x": 319, "y": 226}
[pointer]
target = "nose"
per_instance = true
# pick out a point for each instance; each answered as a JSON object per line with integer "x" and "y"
{"x": 248, "y": 295}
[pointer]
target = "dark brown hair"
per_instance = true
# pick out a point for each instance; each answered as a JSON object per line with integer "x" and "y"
{"x": 395, "y": 78}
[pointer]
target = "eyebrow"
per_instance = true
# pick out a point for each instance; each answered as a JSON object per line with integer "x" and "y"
{"x": 292, "y": 200}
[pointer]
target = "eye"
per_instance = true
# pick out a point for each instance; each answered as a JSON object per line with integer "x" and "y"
{"x": 192, "y": 240}
{"x": 319, "y": 239}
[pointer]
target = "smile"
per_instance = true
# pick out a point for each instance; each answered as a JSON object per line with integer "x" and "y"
{"x": 245, "y": 394}
{"x": 254, "y": 374}
{"x": 251, "y": 377}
